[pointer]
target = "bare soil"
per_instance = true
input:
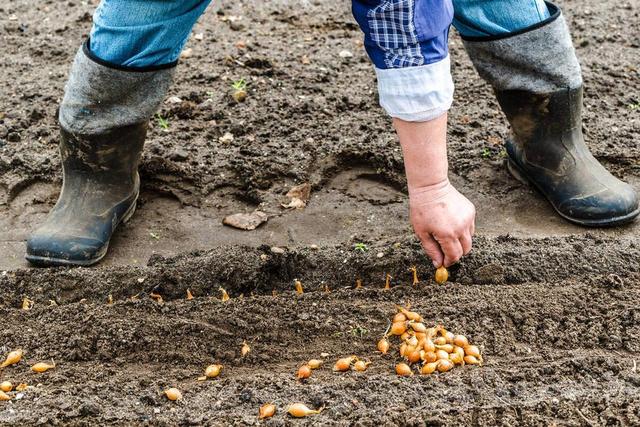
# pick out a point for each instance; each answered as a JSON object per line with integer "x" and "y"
{"x": 554, "y": 307}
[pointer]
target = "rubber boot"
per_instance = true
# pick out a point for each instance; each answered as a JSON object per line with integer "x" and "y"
{"x": 536, "y": 77}
{"x": 103, "y": 119}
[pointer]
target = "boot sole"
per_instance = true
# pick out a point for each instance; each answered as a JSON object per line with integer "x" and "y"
{"x": 517, "y": 172}
{"x": 42, "y": 261}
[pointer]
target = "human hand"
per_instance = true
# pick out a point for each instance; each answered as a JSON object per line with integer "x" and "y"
{"x": 444, "y": 221}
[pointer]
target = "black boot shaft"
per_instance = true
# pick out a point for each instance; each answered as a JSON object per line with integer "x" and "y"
{"x": 545, "y": 126}
{"x": 111, "y": 156}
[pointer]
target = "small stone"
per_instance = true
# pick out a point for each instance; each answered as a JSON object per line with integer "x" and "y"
{"x": 187, "y": 53}
{"x": 13, "y": 137}
{"x": 277, "y": 250}
{"x": 264, "y": 257}
{"x": 227, "y": 138}
{"x": 236, "y": 26}
{"x": 199, "y": 36}
{"x": 313, "y": 247}
{"x": 380, "y": 254}
{"x": 179, "y": 155}
{"x": 246, "y": 221}
{"x": 140, "y": 279}
{"x": 173, "y": 100}
{"x": 345, "y": 54}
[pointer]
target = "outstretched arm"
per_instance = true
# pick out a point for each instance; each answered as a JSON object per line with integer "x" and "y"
{"x": 442, "y": 218}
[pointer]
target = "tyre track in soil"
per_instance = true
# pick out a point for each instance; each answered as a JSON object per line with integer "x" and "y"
{"x": 552, "y": 352}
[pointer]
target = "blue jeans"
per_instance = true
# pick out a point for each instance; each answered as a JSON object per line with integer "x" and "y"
{"x": 405, "y": 39}
{"x": 142, "y": 33}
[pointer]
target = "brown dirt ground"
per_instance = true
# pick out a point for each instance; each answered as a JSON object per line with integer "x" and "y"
{"x": 554, "y": 307}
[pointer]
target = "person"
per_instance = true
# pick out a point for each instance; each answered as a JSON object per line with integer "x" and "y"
{"x": 521, "y": 47}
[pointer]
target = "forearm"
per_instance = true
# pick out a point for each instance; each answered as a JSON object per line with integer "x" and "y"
{"x": 424, "y": 147}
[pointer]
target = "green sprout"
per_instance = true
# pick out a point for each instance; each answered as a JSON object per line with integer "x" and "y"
{"x": 359, "y": 331}
{"x": 164, "y": 123}
{"x": 360, "y": 247}
{"x": 239, "y": 84}
{"x": 486, "y": 153}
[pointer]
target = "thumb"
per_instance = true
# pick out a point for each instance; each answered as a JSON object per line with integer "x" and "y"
{"x": 432, "y": 249}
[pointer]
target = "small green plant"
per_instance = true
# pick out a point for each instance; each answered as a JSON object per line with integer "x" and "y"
{"x": 360, "y": 247}
{"x": 359, "y": 331}
{"x": 164, "y": 123}
{"x": 486, "y": 153}
{"x": 634, "y": 106}
{"x": 239, "y": 84}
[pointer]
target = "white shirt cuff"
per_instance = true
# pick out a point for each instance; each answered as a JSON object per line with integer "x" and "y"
{"x": 416, "y": 94}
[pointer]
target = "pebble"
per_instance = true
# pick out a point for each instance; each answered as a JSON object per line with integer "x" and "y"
{"x": 179, "y": 155}
{"x": 174, "y": 100}
{"x": 380, "y": 254}
{"x": 345, "y": 54}
{"x": 277, "y": 250}
{"x": 226, "y": 138}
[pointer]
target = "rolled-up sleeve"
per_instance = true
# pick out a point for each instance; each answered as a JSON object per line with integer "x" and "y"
{"x": 407, "y": 43}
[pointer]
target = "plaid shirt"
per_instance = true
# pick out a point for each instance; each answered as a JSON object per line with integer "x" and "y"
{"x": 407, "y": 42}
{"x": 404, "y": 33}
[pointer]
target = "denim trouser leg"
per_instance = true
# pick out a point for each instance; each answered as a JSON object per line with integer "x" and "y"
{"x": 143, "y": 33}
{"x": 478, "y": 18}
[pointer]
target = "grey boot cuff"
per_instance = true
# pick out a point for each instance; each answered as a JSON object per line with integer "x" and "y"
{"x": 99, "y": 97}
{"x": 538, "y": 59}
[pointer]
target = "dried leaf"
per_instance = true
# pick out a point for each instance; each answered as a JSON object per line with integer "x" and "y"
{"x": 299, "y": 196}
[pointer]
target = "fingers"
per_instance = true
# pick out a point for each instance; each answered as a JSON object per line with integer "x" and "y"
{"x": 432, "y": 248}
{"x": 452, "y": 250}
{"x": 466, "y": 243}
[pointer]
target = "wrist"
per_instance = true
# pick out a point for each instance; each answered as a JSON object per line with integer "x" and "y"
{"x": 432, "y": 193}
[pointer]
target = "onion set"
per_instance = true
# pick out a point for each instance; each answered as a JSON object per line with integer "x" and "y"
{"x": 435, "y": 348}
{"x": 267, "y": 410}
{"x": 300, "y": 410}
{"x": 12, "y": 358}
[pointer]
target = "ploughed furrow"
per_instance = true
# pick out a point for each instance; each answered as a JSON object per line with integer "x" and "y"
{"x": 562, "y": 352}
{"x": 244, "y": 270}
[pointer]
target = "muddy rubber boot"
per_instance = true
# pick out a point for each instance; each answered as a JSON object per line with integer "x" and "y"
{"x": 103, "y": 119}
{"x": 536, "y": 77}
